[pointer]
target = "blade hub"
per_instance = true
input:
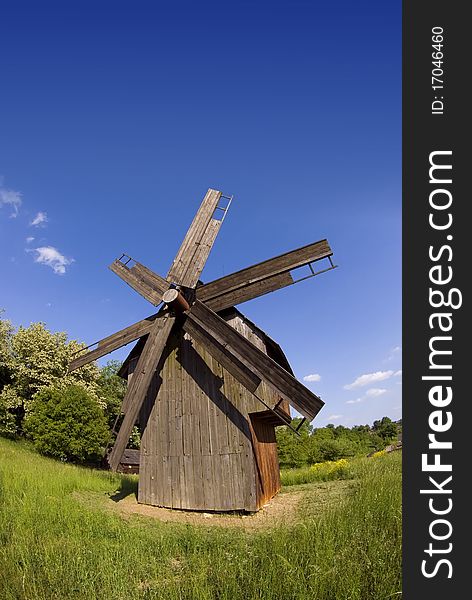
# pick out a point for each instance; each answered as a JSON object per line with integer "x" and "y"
{"x": 173, "y": 298}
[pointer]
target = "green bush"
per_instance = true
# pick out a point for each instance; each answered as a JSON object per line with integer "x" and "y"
{"x": 67, "y": 424}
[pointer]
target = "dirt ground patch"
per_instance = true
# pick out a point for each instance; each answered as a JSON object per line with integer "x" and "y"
{"x": 290, "y": 506}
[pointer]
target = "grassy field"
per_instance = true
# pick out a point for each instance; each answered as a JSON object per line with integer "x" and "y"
{"x": 55, "y": 546}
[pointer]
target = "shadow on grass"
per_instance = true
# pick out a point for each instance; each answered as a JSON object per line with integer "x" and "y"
{"x": 128, "y": 486}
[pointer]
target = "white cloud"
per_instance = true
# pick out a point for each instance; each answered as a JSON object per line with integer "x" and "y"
{"x": 355, "y": 401}
{"x": 368, "y": 378}
{"x": 10, "y": 198}
{"x": 374, "y": 392}
{"x": 47, "y": 255}
{"x": 312, "y": 377}
{"x": 40, "y": 219}
{"x": 398, "y": 373}
{"x": 29, "y": 240}
{"x": 334, "y": 418}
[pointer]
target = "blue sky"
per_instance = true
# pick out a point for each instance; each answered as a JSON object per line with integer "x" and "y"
{"x": 117, "y": 116}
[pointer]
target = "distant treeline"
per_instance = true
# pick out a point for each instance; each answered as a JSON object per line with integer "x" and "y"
{"x": 331, "y": 443}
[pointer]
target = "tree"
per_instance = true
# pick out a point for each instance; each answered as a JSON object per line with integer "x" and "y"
{"x": 7, "y": 420}
{"x": 112, "y": 389}
{"x": 293, "y": 449}
{"x": 67, "y": 423}
{"x": 6, "y": 334}
{"x": 35, "y": 358}
{"x": 385, "y": 428}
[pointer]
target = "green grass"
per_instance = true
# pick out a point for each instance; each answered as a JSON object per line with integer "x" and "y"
{"x": 55, "y": 546}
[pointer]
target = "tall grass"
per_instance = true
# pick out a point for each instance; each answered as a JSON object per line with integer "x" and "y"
{"x": 327, "y": 471}
{"x": 55, "y": 546}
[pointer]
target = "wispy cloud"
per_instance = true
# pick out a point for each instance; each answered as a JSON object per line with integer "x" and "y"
{"x": 370, "y": 393}
{"x": 10, "y": 198}
{"x": 51, "y": 257}
{"x": 398, "y": 373}
{"x": 394, "y": 352}
{"x": 334, "y": 418}
{"x": 39, "y": 220}
{"x": 29, "y": 239}
{"x": 368, "y": 378}
{"x": 312, "y": 377}
{"x": 374, "y": 392}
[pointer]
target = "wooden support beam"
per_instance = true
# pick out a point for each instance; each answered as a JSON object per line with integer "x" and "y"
{"x": 114, "y": 341}
{"x": 197, "y": 244}
{"x": 261, "y": 278}
{"x": 138, "y": 386}
{"x": 234, "y": 347}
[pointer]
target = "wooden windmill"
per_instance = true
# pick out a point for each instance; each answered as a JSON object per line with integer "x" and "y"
{"x": 207, "y": 386}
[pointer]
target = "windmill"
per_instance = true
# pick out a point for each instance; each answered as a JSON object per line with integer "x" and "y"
{"x": 207, "y": 386}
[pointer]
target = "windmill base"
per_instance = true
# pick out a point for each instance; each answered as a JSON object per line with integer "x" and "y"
{"x": 206, "y": 445}
{"x": 245, "y": 481}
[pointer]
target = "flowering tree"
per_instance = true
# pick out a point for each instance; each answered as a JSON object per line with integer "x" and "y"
{"x": 33, "y": 358}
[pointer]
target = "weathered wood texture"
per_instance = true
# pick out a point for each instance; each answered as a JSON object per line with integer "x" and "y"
{"x": 267, "y": 460}
{"x": 236, "y": 352}
{"x": 115, "y": 341}
{"x": 197, "y": 244}
{"x": 261, "y": 278}
{"x": 146, "y": 367}
{"x": 248, "y": 292}
{"x": 197, "y": 448}
{"x": 144, "y": 281}
{"x": 133, "y": 356}
{"x": 129, "y": 462}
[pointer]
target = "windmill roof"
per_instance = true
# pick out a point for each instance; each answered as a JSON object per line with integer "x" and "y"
{"x": 273, "y": 348}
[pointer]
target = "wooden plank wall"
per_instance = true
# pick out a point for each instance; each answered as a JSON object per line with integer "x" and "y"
{"x": 267, "y": 460}
{"x": 197, "y": 448}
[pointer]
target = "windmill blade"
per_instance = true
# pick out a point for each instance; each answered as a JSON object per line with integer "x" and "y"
{"x": 246, "y": 362}
{"x": 263, "y": 277}
{"x": 139, "y": 384}
{"x": 114, "y": 341}
{"x": 144, "y": 281}
{"x": 197, "y": 244}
